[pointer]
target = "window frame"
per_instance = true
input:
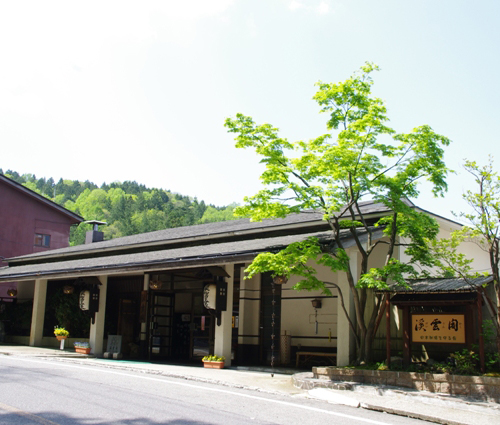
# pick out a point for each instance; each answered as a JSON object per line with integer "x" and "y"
{"x": 42, "y": 240}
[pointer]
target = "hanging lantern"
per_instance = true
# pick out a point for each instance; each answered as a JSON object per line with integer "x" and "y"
{"x": 12, "y": 292}
{"x": 280, "y": 279}
{"x": 155, "y": 284}
{"x": 68, "y": 289}
{"x": 316, "y": 303}
{"x": 210, "y": 296}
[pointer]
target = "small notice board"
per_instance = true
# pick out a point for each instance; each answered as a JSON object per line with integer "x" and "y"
{"x": 114, "y": 344}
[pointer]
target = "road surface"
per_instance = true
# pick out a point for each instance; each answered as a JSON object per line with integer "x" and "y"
{"x": 45, "y": 392}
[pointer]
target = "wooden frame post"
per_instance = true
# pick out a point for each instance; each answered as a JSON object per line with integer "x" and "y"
{"x": 406, "y": 336}
{"x": 388, "y": 329}
{"x": 481, "y": 336}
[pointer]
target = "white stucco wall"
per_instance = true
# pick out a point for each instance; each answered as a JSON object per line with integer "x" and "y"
{"x": 298, "y": 317}
{"x": 249, "y": 314}
{"x": 470, "y": 248}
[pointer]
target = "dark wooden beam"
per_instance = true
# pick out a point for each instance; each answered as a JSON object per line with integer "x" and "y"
{"x": 481, "y": 336}
{"x": 388, "y": 330}
{"x": 406, "y": 336}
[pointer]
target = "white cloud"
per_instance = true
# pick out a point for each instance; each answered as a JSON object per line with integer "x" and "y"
{"x": 323, "y": 8}
{"x": 294, "y": 5}
{"x": 252, "y": 27}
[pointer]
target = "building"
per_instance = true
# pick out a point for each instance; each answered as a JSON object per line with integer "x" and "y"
{"x": 30, "y": 223}
{"x": 152, "y": 289}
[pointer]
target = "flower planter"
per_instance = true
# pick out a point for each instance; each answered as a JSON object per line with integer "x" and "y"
{"x": 61, "y": 337}
{"x": 82, "y": 350}
{"x": 213, "y": 365}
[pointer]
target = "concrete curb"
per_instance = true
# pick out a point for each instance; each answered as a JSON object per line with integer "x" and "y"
{"x": 384, "y": 399}
{"x": 411, "y": 415}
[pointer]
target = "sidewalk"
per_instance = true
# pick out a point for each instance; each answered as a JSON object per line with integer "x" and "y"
{"x": 421, "y": 405}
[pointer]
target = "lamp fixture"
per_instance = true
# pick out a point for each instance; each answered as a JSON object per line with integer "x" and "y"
{"x": 12, "y": 292}
{"x": 316, "y": 303}
{"x": 155, "y": 284}
{"x": 68, "y": 289}
{"x": 280, "y": 279}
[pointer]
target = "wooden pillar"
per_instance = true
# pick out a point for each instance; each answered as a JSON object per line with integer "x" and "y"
{"x": 38, "y": 314}
{"x": 143, "y": 344}
{"x": 481, "y": 336}
{"x": 223, "y": 333}
{"x": 96, "y": 337}
{"x": 406, "y": 336}
{"x": 388, "y": 329}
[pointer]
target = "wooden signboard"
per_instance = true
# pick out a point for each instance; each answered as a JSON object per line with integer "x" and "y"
{"x": 438, "y": 328}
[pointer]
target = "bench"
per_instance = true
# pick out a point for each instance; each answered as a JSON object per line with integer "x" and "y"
{"x": 310, "y": 354}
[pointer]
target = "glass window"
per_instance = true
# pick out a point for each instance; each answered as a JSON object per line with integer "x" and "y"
{"x": 42, "y": 240}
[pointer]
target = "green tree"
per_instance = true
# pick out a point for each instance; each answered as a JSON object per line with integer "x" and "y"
{"x": 360, "y": 157}
{"x": 483, "y": 229}
{"x": 213, "y": 214}
{"x": 149, "y": 221}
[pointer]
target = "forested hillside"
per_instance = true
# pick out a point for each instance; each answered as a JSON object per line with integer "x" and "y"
{"x": 127, "y": 207}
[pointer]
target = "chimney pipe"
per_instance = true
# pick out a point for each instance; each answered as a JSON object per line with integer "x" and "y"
{"x": 94, "y": 235}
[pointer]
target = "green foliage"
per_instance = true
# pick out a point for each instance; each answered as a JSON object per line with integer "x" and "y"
{"x": 297, "y": 259}
{"x": 466, "y": 362}
{"x": 394, "y": 270}
{"x": 128, "y": 208}
{"x": 214, "y": 214}
{"x": 213, "y": 358}
{"x": 483, "y": 230}
{"x": 360, "y": 157}
{"x": 63, "y": 309}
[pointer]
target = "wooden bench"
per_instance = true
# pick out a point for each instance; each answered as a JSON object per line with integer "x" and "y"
{"x": 308, "y": 355}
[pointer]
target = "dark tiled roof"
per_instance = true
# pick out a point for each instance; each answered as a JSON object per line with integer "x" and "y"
{"x": 442, "y": 285}
{"x": 204, "y": 231}
{"x": 201, "y": 253}
{"x": 207, "y": 231}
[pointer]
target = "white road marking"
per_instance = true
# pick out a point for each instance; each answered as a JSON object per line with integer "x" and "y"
{"x": 183, "y": 384}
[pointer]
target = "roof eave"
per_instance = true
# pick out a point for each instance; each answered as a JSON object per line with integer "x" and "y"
{"x": 41, "y": 198}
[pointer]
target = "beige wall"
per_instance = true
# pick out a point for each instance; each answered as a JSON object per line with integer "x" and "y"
{"x": 470, "y": 248}
{"x": 248, "y": 330}
{"x": 298, "y": 316}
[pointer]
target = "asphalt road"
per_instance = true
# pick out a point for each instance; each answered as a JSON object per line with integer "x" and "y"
{"x": 41, "y": 392}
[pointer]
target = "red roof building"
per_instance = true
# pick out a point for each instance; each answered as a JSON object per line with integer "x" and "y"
{"x": 30, "y": 223}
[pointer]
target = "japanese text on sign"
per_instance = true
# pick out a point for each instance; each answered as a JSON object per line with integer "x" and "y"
{"x": 440, "y": 328}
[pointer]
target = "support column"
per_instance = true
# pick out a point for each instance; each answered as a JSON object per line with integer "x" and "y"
{"x": 388, "y": 329}
{"x": 480, "y": 330}
{"x": 97, "y": 329}
{"x": 346, "y": 341}
{"x": 248, "y": 330}
{"x": 406, "y": 336}
{"x": 144, "y": 325}
{"x": 38, "y": 314}
{"x": 223, "y": 333}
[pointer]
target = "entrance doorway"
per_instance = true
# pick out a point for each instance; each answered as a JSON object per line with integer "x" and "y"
{"x": 270, "y": 320}
{"x": 161, "y": 311}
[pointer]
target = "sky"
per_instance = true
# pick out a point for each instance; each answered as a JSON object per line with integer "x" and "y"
{"x": 116, "y": 90}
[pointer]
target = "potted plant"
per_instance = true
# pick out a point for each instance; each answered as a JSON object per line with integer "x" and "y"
{"x": 213, "y": 362}
{"x": 60, "y": 333}
{"x": 82, "y": 347}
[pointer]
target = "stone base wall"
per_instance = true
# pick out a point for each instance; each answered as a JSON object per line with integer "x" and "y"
{"x": 478, "y": 387}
